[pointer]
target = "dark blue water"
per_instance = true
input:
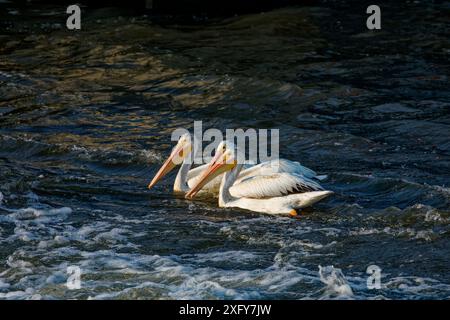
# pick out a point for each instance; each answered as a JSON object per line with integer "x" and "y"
{"x": 86, "y": 118}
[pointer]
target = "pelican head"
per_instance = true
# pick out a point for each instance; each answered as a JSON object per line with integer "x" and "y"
{"x": 224, "y": 160}
{"x": 178, "y": 154}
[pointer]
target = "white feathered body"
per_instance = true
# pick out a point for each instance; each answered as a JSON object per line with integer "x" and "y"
{"x": 279, "y": 176}
{"x": 276, "y": 193}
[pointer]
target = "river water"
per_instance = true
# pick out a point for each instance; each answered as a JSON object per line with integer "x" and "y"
{"x": 86, "y": 118}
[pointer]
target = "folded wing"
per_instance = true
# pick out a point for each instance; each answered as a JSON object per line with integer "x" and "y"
{"x": 273, "y": 185}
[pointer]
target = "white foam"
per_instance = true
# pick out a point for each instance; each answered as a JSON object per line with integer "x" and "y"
{"x": 114, "y": 235}
{"x": 413, "y": 285}
{"x": 336, "y": 283}
{"x": 32, "y": 213}
{"x": 176, "y": 277}
{"x": 51, "y": 243}
{"x": 4, "y": 285}
{"x": 222, "y": 256}
{"x": 433, "y": 215}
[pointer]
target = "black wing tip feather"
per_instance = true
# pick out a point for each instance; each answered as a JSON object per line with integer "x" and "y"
{"x": 302, "y": 188}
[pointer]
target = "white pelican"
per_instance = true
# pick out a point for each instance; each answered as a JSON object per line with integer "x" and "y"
{"x": 187, "y": 177}
{"x": 179, "y": 155}
{"x": 276, "y": 193}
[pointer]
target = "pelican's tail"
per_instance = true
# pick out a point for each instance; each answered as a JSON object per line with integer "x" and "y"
{"x": 321, "y": 177}
{"x": 309, "y": 198}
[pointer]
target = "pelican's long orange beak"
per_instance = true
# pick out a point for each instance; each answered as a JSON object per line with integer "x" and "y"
{"x": 172, "y": 161}
{"x": 218, "y": 165}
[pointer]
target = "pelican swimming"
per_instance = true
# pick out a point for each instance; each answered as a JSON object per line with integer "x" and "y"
{"x": 179, "y": 155}
{"x": 186, "y": 177}
{"x": 276, "y": 193}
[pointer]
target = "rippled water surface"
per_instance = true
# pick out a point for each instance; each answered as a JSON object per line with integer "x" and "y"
{"x": 85, "y": 122}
